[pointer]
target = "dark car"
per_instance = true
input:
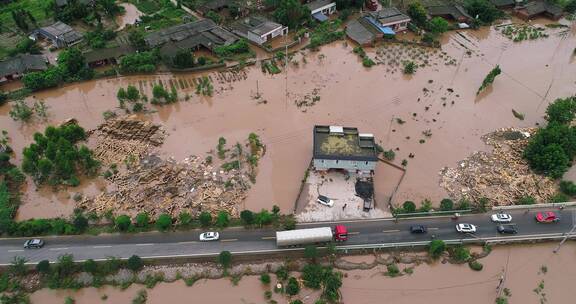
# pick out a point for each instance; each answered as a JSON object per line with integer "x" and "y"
{"x": 507, "y": 229}
{"x": 33, "y": 243}
{"x": 418, "y": 229}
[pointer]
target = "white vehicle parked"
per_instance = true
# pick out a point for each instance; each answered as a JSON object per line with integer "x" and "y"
{"x": 501, "y": 218}
{"x": 209, "y": 236}
{"x": 466, "y": 228}
{"x": 324, "y": 200}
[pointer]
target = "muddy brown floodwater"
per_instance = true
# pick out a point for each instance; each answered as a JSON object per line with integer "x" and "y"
{"x": 526, "y": 266}
{"x": 439, "y": 97}
{"x": 130, "y": 16}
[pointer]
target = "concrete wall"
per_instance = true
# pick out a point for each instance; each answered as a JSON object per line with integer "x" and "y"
{"x": 350, "y": 165}
{"x": 326, "y": 10}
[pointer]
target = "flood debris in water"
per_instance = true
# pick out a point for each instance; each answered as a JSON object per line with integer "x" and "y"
{"x": 502, "y": 176}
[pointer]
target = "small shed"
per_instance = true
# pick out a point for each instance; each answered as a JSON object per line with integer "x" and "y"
{"x": 258, "y": 29}
{"x": 60, "y": 34}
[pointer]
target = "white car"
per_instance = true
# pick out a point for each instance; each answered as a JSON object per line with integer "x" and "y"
{"x": 209, "y": 236}
{"x": 324, "y": 200}
{"x": 466, "y": 228}
{"x": 501, "y": 218}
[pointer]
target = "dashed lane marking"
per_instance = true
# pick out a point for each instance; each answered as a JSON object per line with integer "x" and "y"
{"x": 55, "y": 249}
{"x": 353, "y": 233}
{"x": 229, "y": 240}
{"x": 103, "y": 246}
{"x": 390, "y": 231}
{"x": 146, "y": 244}
{"x": 268, "y": 237}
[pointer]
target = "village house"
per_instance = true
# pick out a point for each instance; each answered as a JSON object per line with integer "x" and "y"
{"x": 535, "y": 9}
{"x": 100, "y": 57}
{"x": 258, "y": 29}
{"x": 60, "y": 35}
{"x": 390, "y": 18}
{"x": 16, "y": 67}
{"x": 503, "y": 4}
{"x": 220, "y": 5}
{"x": 452, "y": 12}
{"x": 190, "y": 36}
{"x": 321, "y": 9}
{"x": 344, "y": 148}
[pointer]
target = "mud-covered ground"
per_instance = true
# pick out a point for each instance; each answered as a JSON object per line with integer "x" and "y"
{"x": 432, "y": 119}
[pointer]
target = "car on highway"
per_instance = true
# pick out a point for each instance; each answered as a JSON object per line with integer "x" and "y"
{"x": 501, "y": 218}
{"x": 33, "y": 244}
{"x": 466, "y": 228}
{"x": 418, "y": 229}
{"x": 209, "y": 236}
{"x": 324, "y": 200}
{"x": 546, "y": 217}
{"x": 507, "y": 229}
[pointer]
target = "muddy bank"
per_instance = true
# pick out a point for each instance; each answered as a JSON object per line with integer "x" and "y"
{"x": 432, "y": 119}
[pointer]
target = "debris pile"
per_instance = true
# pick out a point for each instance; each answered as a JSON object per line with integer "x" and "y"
{"x": 161, "y": 186}
{"x": 502, "y": 176}
{"x": 124, "y": 137}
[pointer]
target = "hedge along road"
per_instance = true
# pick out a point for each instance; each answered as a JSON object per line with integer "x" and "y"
{"x": 247, "y": 241}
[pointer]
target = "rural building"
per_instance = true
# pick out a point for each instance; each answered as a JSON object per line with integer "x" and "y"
{"x": 220, "y": 5}
{"x": 60, "y": 34}
{"x": 360, "y": 32}
{"x": 259, "y": 29}
{"x": 535, "y": 9}
{"x": 503, "y": 3}
{"x": 389, "y": 18}
{"x": 321, "y": 9}
{"x": 191, "y": 36}
{"x": 453, "y": 12}
{"x": 16, "y": 67}
{"x": 107, "y": 56}
{"x": 337, "y": 147}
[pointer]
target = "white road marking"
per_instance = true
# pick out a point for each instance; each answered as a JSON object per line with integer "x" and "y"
{"x": 390, "y": 231}
{"x": 433, "y": 228}
{"x": 229, "y": 240}
{"x": 353, "y": 233}
{"x": 146, "y": 244}
{"x": 17, "y": 250}
{"x": 55, "y": 249}
{"x": 268, "y": 237}
{"x": 103, "y": 246}
{"x": 189, "y": 242}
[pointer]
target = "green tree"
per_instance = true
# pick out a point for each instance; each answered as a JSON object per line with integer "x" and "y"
{"x": 212, "y": 15}
{"x": 183, "y": 59}
{"x": 90, "y": 266}
{"x": 223, "y": 219}
{"x": 43, "y": 267}
{"x": 409, "y": 207}
{"x": 436, "y": 248}
{"x": 418, "y": 13}
{"x": 410, "y": 67}
{"x": 561, "y": 111}
{"x": 570, "y": 6}
{"x": 164, "y": 222}
{"x": 142, "y": 220}
{"x": 205, "y": 219}
{"x": 291, "y": 13}
{"x": 265, "y": 278}
{"x": 134, "y": 263}
{"x": 313, "y": 275}
{"x": 247, "y": 217}
{"x": 446, "y": 204}
{"x": 225, "y": 259}
{"x": 293, "y": 287}
{"x": 65, "y": 266}
{"x": 568, "y": 187}
{"x": 332, "y": 284}
{"x": 80, "y": 222}
{"x": 484, "y": 10}
{"x": 263, "y": 218}
{"x": 136, "y": 39}
{"x": 311, "y": 252}
{"x": 460, "y": 253}
{"x": 122, "y": 222}
{"x": 72, "y": 61}
{"x": 527, "y": 200}
{"x": 132, "y": 93}
{"x": 184, "y": 219}
{"x": 18, "y": 266}
{"x": 438, "y": 25}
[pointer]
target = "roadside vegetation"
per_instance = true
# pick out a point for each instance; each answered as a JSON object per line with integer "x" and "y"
{"x": 489, "y": 79}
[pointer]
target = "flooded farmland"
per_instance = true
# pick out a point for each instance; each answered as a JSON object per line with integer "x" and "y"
{"x": 532, "y": 267}
{"x": 439, "y": 99}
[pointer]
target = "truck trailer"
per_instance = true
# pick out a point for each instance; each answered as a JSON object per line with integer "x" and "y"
{"x": 310, "y": 236}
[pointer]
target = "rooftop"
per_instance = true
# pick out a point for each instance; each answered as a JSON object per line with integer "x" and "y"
{"x": 22, "y": 63}
{"x": 501, "y": 3}
{"x": 343, "y": 143}
{"x": 202, "y": 32}
{"x": 101, "y": 54}
{"x": 389, "y": 15}
{"x": 257, "y": 25}
{"x": 454, "y": 10}
{"x": 539, "y": 7}
{"x": 62, "y": 31}
{"x": 314, "y": 5}
{"x": 359, "y": 33}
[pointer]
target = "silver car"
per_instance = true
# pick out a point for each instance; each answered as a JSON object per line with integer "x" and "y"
{"x": 501, "y": 218}
{"x": 33, "y": 243}
{"x": 466, "y": 228}
{"x": 209, "y": 236}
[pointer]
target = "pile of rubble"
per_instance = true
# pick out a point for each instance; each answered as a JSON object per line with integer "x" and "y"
{"x": 161, "y": 186}
{"x": 124, "y": 137}
{"x": 502, "y": 176}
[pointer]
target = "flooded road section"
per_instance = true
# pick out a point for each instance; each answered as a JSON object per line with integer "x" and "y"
{"x": 130, "y": 16}
{"x": 432, "y": 119}
{"x": 525, "y": 267}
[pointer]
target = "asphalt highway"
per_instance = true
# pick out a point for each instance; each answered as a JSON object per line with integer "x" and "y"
{"x": 240, "y": 240}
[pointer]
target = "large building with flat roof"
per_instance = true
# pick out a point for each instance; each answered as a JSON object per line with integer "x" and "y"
{"x": 337, "y": 147}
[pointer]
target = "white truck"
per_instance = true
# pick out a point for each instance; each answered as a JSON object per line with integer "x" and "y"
{"x": 311, "y": 236}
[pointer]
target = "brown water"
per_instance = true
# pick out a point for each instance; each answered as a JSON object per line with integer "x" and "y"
{"x": 534, "y": 73}
{"x": 435, "y": 283}
{"x": 132, "y": 14}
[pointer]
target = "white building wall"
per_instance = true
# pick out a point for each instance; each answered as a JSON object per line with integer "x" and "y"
{"x": 350, "y": 165}
{"x": 256, "y": 38}
{"x": 326, "y": 10}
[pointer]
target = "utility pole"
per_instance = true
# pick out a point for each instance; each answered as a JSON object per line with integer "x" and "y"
{"x": 286, "y": 68}
{"x": 566, "y": 236}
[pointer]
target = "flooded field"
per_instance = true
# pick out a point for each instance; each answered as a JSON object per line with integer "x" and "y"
{"x": 432, "y": 119}
{"x": 524, "y": 267}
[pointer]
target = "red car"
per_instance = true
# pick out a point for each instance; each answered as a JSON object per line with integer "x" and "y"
{"x": 547, "y": 217}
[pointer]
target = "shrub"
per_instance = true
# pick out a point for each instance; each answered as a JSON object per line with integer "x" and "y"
{"x": 43, "y": 267}
{"x": 367, "y": 62}
{"x": 475, "y": 265}
{"x": 265, "y": 278}
{"x": 184, "y": 218}
{"x": 489, "y": 79}
{"x": 485, "y": 10}
{"x": 311, "y": 252}
{"x": 80, "y": 222}
{"x": 297, "y": 302}
{"x": 282, "y": 273}
{"x": 239, "y": 47}
{"x": 223, "y": 219}
{"x": 293, "y": 287}
{"x": 122, "y": 222}
{"x": 426, "y": 206}
{"x": 568, "y": 188}
{"x": 393, "y": 270}
{"x": 561, "y": 111}
{"x": 409, "y": 67}
{"x": 247, "y": 217}
{"x": 225, "y": 259}
{"x": 142, "y": 220}
{"x": 551, "y": 149}
{"x": 559, "y": 198}
{"x": 446, "y": 204}
{"x": 438, "y": 25}
{"x": 90, "y": 266}
{"x": 460, "y": 253}
{"x": 409, "y": 207}
{"x": 134, "y": 263}
{"x": 312, "y": 275}
{"x": 205, "y": 219}
{"x": 436, "y": 248}
{"x": 163, "y": 222}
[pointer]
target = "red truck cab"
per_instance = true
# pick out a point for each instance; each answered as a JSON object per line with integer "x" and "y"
{"x": 340, "y": 233}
